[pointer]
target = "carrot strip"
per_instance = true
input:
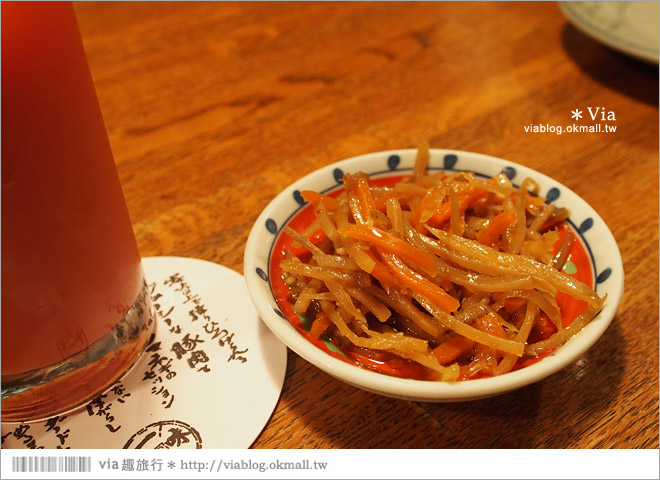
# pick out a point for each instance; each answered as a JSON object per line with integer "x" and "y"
{"x": 381, "y": 272}
{"x": 497, "y": 225}
{"x": 489, "y": 323}
{"x": 320, "y": 325}
{"x": 358, "y": 185}
{"x": 419, "y": 284}
{"x": 391, "y": 243}
{"x": 380, "y": 201}
{"x": 452, "y": 349}
{"x": 314, "y": 198}
{"x": 513, "y": 304}
{"x": 426, "y": 207}
{"x": 542, "y": 329}
{"x": 383, "y": 275}
{"x": 416, "y": 213}
{"x": 464, "y": 201}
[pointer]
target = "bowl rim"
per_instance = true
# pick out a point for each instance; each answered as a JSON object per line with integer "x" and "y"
{"x": 422, "y": 390}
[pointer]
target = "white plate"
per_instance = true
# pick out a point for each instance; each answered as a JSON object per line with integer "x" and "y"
{"x": 630, "y": 27}
{"x": 606, "y": 264}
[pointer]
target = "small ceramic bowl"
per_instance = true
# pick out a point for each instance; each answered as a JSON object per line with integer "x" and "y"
{"x": 601, "y": 267}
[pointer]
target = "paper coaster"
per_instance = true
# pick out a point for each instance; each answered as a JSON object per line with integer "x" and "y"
{"x": 210, "y": 378}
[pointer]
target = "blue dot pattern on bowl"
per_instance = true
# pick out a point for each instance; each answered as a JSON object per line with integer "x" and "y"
{"x": 552, "y": 195}
{"x": 262, "y": 274}
{"x": 298, "y": 198}
{"x": 510, "y": 172}
{"x": 604, "y": 275}
{"x": 586, "y": 225}
{"x": 338, "y": 174}
{"x": 393, "y": 161}
{"x": 449, "y": 161}
{"x": 271, "y": 226}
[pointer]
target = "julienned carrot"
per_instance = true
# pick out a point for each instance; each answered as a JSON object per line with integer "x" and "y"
{"x": 316, "y": 238}
{"x": 391, "y": 243}
{"x": 490, "y": 324}
{"x": 464, "y": 201}
{"x": 497, "y": 225}
{"x": 380, "y": 201}
{"x": 542, "y": 329}
{"x": 425, "y": 208}
{"x": 381, "y": 272}
{"x": 358, "y": 185}
{"x": 452, "y": 349}
{"x": 319, "y": 325}
{"x": 413, "y": 280}
{"x": 513, "y": 304}
{"x": 314, "y": 198}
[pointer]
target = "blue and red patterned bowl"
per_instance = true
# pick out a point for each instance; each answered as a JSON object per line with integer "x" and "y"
{"x": 595, "y": 260}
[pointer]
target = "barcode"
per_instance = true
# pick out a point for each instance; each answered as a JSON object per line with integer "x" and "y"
{"x": 51, "y": 464}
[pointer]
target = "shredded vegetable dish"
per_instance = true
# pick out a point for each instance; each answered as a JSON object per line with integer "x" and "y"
{"x": 455, "y": 275}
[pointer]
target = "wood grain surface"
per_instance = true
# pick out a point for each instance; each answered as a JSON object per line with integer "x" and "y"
{"x": 213, "y": 108}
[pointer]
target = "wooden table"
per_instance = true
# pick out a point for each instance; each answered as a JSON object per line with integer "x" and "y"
{"x": 213, "y": 108}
